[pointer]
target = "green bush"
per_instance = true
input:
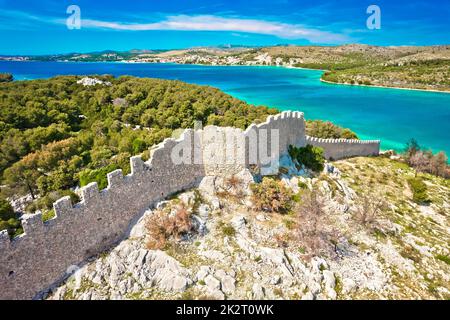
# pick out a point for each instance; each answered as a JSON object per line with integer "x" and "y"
{"x": 50, "y": 214}
{"x": 13, "y": 227}
{"x": 443, "y": 258}
{"x": 328, "y": 130}
{"x": 271, "y": 195}
{"x": 97, "y": 175}
{"x": 228, "y": 230}
{"x": 311, "y": 157}
{"x": 419, "y": 189}
{"x": 6, "y": 211}
{"x": 46, "y": 203}
{"x": 4, "y": 225}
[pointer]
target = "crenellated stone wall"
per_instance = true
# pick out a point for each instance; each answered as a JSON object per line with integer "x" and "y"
{"x": 39, "y": 258}
{"x": 336, "y": 149}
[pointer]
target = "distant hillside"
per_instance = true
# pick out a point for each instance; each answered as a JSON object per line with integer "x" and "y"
{"x": 426, "y": 68}
{"x": 405, "y": 67}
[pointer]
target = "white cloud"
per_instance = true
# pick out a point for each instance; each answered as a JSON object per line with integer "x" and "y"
{"x": 215, "y": 23}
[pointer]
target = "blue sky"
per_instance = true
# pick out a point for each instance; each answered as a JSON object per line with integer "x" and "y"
{"x": 39, "y": 27}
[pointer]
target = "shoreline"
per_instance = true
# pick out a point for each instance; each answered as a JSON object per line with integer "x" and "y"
{"x": 382, "y": 87}
{"x": 238, "y": 65}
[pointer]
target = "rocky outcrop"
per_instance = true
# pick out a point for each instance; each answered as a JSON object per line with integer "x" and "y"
{"x": 234, "y": 254}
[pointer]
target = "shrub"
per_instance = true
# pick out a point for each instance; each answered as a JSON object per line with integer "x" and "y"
{"x": 312, "y": 229}
{"x": 439, "y": 165}
{"x": 6, "y": 210}
{"x": 232, "y": 189}
{"x": 162, "y": 226}
{"x": 311, "y": 157}
{"x": 13, "y": 227}
{"x": 8, "y": 220}
{"x": 412, "y": 146}
{"x": 443, "y": 258}
{"x": 419, "y": 190}
{"x": 50, "y": 214}
{"x": 368, "y": 210}
{"x": 281, "y": 240}
{"x": 426, "y": 161}
{"x": 233, "y": 182}
{"x": 271, "y": 195}
{"x": 97, "y": 175}
{"x": 46, "y": 203}
{"x": 328, "y": 130}
{"x": 228, "y": 230}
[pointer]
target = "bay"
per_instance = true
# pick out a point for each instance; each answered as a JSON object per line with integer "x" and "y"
{"x": 391, "y": 115}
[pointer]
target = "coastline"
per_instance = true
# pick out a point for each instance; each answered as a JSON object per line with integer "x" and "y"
{"x": 313, "y": 76}
{"x": 238, "y": 65}
{"x": 383, "y": 87}
{"x": 291, "y": 67}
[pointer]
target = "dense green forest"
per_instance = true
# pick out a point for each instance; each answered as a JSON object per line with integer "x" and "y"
{"x": 56, "y": 134}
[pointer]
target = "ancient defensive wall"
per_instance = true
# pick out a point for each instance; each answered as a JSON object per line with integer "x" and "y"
{"x": 42, "y": 256}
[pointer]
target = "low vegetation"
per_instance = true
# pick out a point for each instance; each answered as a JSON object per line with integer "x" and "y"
{"x": 313, "y": 226}
{"x": 425, "y": 161}
{"x": 429, "y": 74}
{"x": 271, "y": 195}
{"x": 309, "y": 156}
{"x": 328, "y": 130}
{"x": 8, "y": 219}
{"x": 369, "y": 209}
{"x": 167, "y": 224}
{"x": 419, "y": 190}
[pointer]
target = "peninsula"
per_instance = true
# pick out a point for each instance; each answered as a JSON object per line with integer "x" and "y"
{"x": 408, "y": 67}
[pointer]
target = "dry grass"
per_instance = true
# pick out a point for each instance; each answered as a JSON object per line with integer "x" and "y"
{"x": 369, "y": 209}
{"x": 314, "y": 230}
{"x": 271, "y": 196}
{"x": 163, "y": 226}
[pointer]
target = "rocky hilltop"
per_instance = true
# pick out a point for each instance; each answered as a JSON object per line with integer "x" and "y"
{"x": 352, "y": 231}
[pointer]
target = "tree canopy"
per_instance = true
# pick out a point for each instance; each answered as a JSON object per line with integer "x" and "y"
{"x": 57, "y": 133}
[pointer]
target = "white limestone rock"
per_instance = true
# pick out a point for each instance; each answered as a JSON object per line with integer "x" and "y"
{"x": 308, "y": 296}
{"x": 330, "y": 283}
{"x": 87, "y": 82}
{"x": 203, "y": 273}
{"x": 258, "y": 291}
{"x": 187, "y": 198}
{"x": 212, "y": 283}
{"x": 348, "y": 285}
{"x": 239, "y": 222}
{"x": 204, "y": 211}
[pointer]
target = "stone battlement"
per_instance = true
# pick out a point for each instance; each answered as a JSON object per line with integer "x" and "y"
{"x": 342, "y": 148}
{"x": 39, "y": 258}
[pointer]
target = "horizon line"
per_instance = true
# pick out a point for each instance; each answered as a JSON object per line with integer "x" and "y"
{"x": 222, "y": 45}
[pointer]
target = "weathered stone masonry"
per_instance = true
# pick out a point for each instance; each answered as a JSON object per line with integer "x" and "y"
{"x": 40, "y": 257}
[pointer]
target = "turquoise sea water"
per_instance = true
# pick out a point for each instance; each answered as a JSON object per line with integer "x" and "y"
{"x": 392, "y": 115}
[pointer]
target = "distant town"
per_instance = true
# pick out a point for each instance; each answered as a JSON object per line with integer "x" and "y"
{"x": 204, "y": 56}
{"x": 407, "y": 67}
